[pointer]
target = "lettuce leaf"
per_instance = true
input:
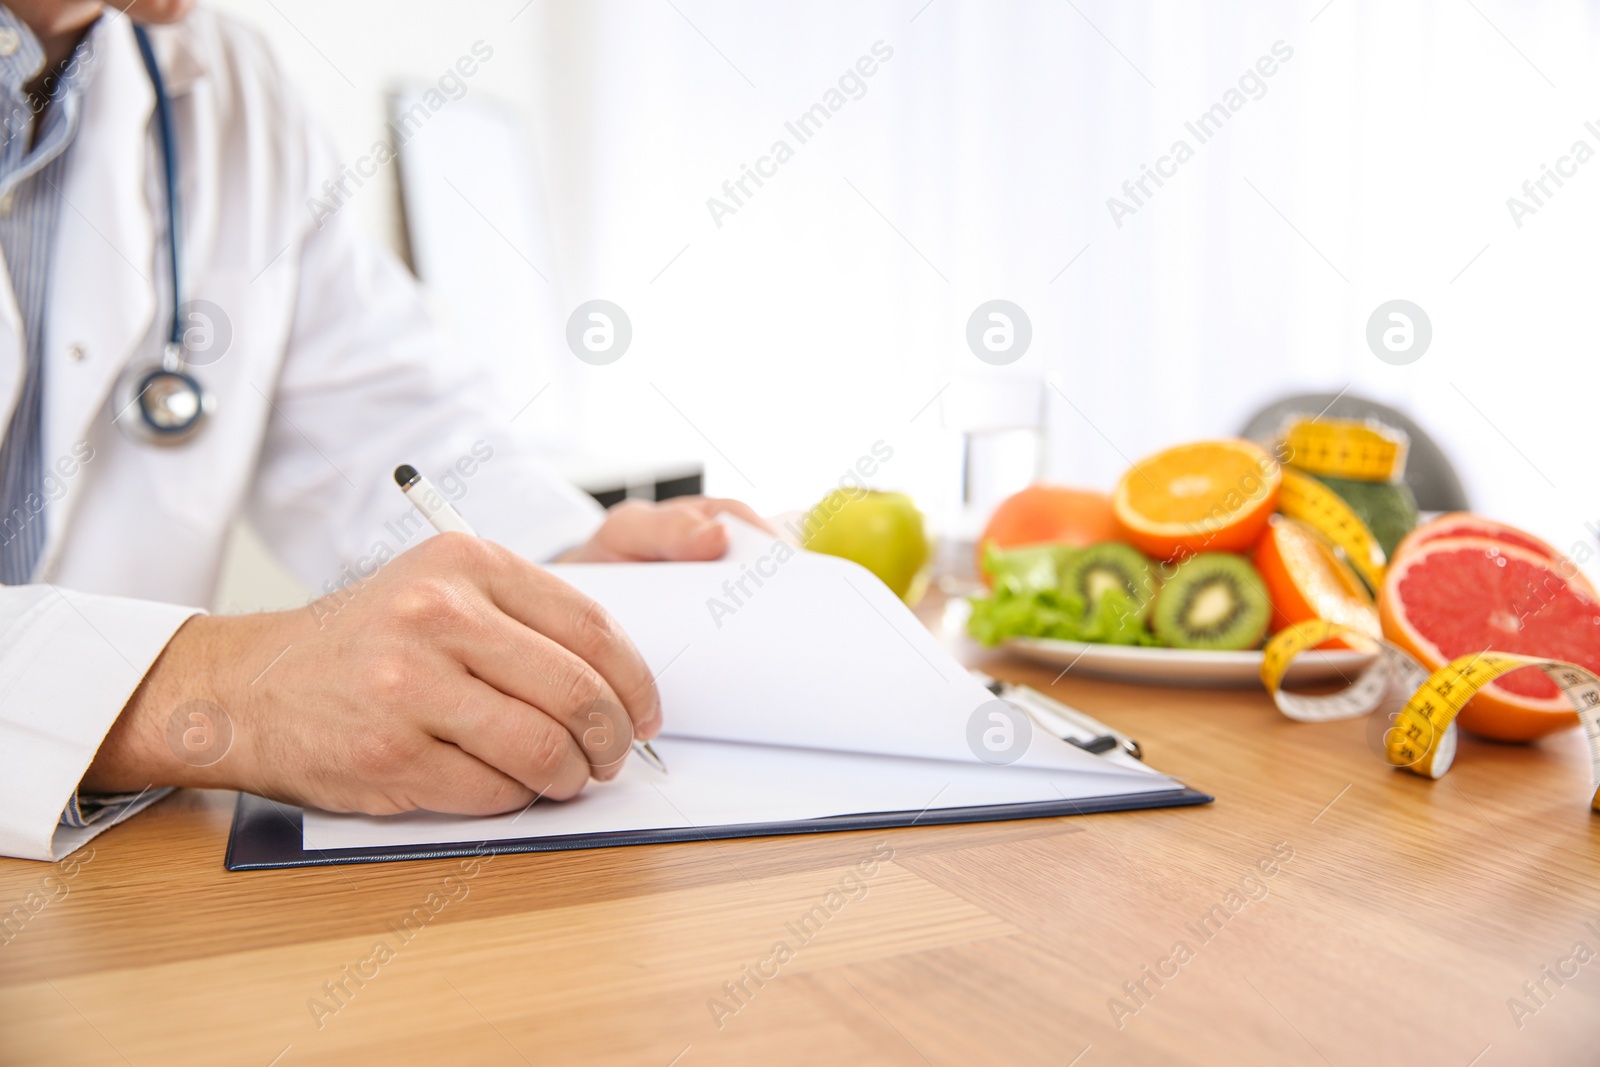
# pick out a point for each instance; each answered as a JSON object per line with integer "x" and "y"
{"x": 1035, "y": 568}
{"x": 1028, "y": 602}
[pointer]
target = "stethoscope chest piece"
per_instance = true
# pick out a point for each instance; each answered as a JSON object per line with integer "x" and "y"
{"x": 165, "y": 404}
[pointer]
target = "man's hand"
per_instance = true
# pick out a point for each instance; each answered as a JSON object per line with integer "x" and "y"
{"x": 460, "y": 678}
{"x": 684, "y": 528}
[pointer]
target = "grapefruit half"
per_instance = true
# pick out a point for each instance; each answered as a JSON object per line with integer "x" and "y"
{"x": 1466, "y": 524}
{"x": 1456, "y": 596}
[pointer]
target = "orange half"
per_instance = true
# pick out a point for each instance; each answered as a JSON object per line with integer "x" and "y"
{"x": 1307, "y": 580}
{"x": 1212, "y": 496}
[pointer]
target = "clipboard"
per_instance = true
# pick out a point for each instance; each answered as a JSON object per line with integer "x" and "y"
{"x": 268, "y": 835}
{"x": 813, "y": 702}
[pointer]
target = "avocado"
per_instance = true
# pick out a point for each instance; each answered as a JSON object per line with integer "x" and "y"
{"x": 1388, "y": 508}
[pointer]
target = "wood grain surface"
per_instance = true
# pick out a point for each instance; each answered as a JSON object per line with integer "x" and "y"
{"x": 1325, "y": 910}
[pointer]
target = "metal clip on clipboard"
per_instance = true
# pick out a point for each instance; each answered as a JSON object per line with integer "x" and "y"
{"x": 1066, "y": 722}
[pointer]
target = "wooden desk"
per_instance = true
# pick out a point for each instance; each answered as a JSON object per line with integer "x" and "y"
{"x": 1408, "y": 916}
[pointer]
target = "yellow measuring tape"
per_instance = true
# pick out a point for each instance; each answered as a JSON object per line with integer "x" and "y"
{"x": 1347, "y": 448}
{"x": 1421, "y": 737}
{"x": 1303, "y": 497}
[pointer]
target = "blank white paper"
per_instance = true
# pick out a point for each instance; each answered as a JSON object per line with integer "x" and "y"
{"x": 793, "y": 688}
{"x": 716, "y": 784}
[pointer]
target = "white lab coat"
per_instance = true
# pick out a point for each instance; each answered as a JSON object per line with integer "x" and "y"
{"x": 334, "y": 375}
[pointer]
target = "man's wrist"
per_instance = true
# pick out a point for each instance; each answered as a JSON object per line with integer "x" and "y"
{"x": 182, "y": 725}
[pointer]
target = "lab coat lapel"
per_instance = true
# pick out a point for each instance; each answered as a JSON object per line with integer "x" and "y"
{"x": 106, "y": 273}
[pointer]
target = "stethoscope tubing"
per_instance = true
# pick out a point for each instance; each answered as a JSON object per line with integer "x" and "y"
{"x": 160, "y": 420}
{"x": 169, "y": 170}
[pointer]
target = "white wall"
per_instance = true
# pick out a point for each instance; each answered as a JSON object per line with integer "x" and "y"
{"x": 831, "y": 307}
{"x": 345, "y": 57}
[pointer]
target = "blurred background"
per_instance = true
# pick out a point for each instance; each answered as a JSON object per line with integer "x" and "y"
{"x": 777, "y": 337}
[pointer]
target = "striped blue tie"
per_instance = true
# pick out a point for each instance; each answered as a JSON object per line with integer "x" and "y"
{"x": 26, "y": 230}
{"x": 34, "y": 153}
{"x": 22, "y": 495}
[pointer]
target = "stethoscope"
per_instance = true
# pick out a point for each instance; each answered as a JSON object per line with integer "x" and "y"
{"x": 170, "y": 403}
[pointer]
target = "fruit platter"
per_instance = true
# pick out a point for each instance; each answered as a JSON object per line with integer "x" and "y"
{"x": 1185, "y": 667}
{"x": 1203, "y": 551}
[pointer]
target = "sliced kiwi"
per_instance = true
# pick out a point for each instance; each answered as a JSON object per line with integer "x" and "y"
{"x": 1100, "y": 569}
{"x": 1214, "y": 601}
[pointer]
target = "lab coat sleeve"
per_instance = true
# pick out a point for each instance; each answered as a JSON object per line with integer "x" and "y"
{"x": 68, "y": 664}
{"x": 368, "y": 382}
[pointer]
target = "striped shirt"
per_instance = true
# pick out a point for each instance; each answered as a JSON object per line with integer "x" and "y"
{"x": 33, "y": 163}
{"x": 34, "y": 139}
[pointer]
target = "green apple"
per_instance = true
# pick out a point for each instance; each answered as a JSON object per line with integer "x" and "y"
{"x": 881, "y": 531}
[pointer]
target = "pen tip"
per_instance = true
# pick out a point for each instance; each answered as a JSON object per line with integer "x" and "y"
{"x": 404, "y": 475}
{"x": 650, "y": 754}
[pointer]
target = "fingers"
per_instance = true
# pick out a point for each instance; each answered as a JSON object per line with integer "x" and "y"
{"x": 534, "y": 598}
{"x": 676, "y": 530}
{"x": 682, "y": 529}
{"x": 544, "y": 678}
{"x": 530, "y": 747}
{"x": 711, "y": 506}
{"x": 449, "y": 780}
{"x": 709, "y": 538}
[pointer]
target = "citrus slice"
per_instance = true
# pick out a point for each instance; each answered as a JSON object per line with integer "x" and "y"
{"x": 1466, "y": 524}
{"x": 1307, "y": 580}
{"x": 1456, "y": 596}
{"x": 1212, "y": 496}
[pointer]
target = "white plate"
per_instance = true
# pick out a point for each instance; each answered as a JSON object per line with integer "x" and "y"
{"x": 1178, "y": 666}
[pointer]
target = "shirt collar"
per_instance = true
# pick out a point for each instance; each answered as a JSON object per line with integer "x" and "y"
{"x": 22, "y": 59}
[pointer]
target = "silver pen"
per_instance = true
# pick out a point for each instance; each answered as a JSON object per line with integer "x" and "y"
{"x": 446, "y": 519}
